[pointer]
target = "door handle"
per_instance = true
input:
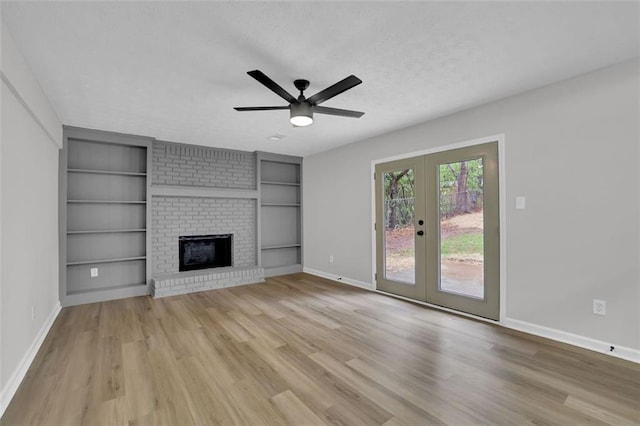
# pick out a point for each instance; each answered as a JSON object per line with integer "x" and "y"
{"x": 420, "y": 233}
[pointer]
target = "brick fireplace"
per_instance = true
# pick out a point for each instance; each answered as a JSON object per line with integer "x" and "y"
{"x": 201, "y": 191}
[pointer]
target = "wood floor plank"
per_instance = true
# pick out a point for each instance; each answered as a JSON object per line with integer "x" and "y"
{"x": 311, "y": 391}
{"x": 294, "y": 410}
{"x": 300, "y": 349}
{"x": 232, "y": 328}
{"x": 605, "y": 415}
{"x": 255, "y": 408}
{"x": 270, "y": 310}
{"x": 252, "y": 325}
{"x": 108, "y": 367}
{"x": 138, "y": 375}
{"x": 310, "y": 314}
{"x": 391, "y": 402}
{"x": 446, "y": 407}
{"x": 349, "y": 404}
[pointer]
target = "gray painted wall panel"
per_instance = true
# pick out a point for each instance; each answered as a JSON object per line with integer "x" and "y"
{"x": 280, "y": 172}
{"x": 110, "y": 275}
{"x": 84, "y": 217}
{"x": 280, "y": 225}
{"x": 280, "y": 194}
{"x": 87, "y": 247}
{"x": 84, "y": 154}
{"x": 88, "y": 186}
{"x": 281, "y": 257}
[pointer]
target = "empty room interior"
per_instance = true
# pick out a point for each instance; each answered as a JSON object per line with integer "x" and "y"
{"x": 347, "y": 213}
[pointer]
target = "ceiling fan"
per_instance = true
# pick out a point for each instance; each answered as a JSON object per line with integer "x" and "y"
{"x": 302, "y": 109}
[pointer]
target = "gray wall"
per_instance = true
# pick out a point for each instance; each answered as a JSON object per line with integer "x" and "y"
{"x": 571, "y": 149}
{"x": 31, "y": 137}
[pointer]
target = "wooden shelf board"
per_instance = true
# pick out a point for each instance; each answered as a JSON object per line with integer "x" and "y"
{"x": 107, "y": 172}
{"x": 271, "y": 271}
{"x": 264, "y": 182}
{"x": 281, "y": 246}
{"x": 106, "y": 231}
{"x": 93, "y": 290}
{"x": 106, "y": 202}
{"x": 122, "y": 259}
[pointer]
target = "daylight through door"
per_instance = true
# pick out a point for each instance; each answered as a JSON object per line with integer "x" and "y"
{"x": 437, "y": 229}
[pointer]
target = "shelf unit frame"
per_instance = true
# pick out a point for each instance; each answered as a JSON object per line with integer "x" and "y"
{"x": 75, "y": 297}
{"x": 263, "y": 202}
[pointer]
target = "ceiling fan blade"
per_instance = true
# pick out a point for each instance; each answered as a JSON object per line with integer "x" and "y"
{"x": 338, "y": 111}
{"x": 272, "y": 85}
{"x": 265, "y": 108}
{"x": 336, "y": 89}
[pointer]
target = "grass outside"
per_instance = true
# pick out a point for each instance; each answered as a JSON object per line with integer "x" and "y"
{"x": 458, "y": 244}
{"x": 462, "y": 244}
{"x": 466, "y": 248}
{"x": 462, "y": 241}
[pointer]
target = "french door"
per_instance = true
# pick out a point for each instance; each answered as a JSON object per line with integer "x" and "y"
{"x": 437, "y": 229}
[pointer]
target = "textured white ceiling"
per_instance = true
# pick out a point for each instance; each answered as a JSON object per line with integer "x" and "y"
{"x": 175, "y": 70}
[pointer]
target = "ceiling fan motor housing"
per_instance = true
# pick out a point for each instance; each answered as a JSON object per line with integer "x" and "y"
{"x": 299, "y": 110}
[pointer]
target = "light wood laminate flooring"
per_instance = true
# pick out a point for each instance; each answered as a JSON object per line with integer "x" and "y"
{"x": 303, "y": 350}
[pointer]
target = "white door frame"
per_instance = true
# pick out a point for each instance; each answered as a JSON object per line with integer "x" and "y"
{"x": 503, "y": 210}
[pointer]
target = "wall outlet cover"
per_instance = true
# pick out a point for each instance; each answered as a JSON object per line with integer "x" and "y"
{"x": 94, "y": 272}
{"x": 599, "y": 307}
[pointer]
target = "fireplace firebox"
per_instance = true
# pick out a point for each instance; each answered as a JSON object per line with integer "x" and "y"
{"x": 205, "y": 251}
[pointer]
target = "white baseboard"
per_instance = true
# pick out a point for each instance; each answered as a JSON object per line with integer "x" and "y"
{"x": 622, "y": 352}
{"x": 338, "y": 278}
{"x": 16, "y": 378}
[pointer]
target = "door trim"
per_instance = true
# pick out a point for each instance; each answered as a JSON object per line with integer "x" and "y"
{"x": 500, "y": 138}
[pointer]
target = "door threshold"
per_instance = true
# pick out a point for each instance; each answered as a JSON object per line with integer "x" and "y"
{"x": 440, "y": 308}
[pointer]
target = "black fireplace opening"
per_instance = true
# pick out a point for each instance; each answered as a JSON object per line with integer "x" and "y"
{"x": 205, "y": 251}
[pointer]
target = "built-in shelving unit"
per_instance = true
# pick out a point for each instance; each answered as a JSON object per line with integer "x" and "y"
{"x": 280, "y": 185}
{"x": 104, "y": 216}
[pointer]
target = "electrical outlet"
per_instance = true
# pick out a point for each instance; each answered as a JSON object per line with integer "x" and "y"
{"x": 599, "y": 307}
{"x": 94, "y": 272}
{"x": 331, "y": 259}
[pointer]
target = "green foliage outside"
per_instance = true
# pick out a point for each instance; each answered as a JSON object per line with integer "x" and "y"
{"x": 460, "y": 187}
{"x": 449, "y": 175}
{"x": 405, "y": 182}
{"x": 462, "y": 244}
{"x": 399, "y": 194}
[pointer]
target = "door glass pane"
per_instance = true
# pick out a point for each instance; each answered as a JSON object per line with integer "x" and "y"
{"x": 399, "y": 232}
{"x": 462, "y": 228}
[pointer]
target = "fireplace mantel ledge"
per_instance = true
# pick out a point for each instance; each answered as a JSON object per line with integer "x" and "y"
{"x": 202, "y": 192}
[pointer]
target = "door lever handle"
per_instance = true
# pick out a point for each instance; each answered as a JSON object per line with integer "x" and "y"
{"x": 420, "y": 233}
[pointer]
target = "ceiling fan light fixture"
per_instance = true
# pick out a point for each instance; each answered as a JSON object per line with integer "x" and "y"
{"x": 301, "y": 110}
{"x": 301, "y": 114}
